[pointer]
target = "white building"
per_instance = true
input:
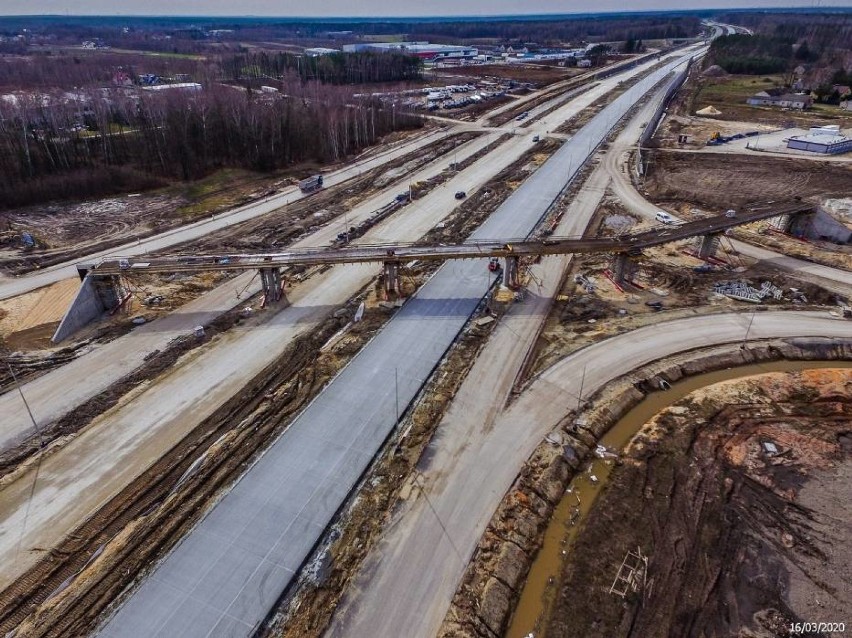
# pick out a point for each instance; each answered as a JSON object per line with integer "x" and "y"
{"x": 180, "y": 86}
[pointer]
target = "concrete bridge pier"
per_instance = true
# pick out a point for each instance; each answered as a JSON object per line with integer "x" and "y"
{"x": 511, "y": 276}
{"x": 270, "y": 279}
{"x": 623, "y": 268}
{"x": 781, "y": 223}
{"x": 393, "y": 283}
{"x": 707, "y": 245}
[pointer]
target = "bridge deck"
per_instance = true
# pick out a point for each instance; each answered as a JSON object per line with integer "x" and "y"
{"x": 404, "y": 252}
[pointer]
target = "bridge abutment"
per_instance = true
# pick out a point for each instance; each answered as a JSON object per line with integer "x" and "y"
{"x": 96, "y": 296}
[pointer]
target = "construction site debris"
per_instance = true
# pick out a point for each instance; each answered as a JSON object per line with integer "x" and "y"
{"x": 742, "y": 291}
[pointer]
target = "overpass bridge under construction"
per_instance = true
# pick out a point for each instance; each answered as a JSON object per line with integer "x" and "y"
{"x": 102, "y": 288}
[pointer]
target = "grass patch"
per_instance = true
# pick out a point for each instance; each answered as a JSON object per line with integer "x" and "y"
{"x": 736, "y": 89}
{"x": 223, "y": 189}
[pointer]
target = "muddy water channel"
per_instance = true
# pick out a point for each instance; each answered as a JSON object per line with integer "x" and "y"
{"x": 542, "y": 586}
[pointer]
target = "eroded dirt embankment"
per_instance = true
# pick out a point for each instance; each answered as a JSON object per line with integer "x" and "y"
{"x": 719, "y": 182}
{"x": 495, "y": 577}
{"x": 720, "y": 518}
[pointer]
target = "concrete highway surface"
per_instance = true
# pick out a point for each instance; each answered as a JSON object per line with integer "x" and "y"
{"x": 394, "y": 565}
{"x": 61, "y": 390}
{"x": 19, "y": 285}
{"x": 466, "y": 480}
{"x": 120, "y": 444}
{"x": 224, "y": 576}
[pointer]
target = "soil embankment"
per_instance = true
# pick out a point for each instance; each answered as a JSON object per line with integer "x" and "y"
{"x": 717, "y": 492}
{"x": 495, "y": 578}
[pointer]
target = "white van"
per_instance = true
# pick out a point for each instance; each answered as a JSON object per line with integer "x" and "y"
{"x": 664, "y": 217}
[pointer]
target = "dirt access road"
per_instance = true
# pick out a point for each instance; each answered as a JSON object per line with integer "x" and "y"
{"x": 15, "y": 286}
{"x": 464, "y": 484}
{"x": 392, "y": 566}
{"x": 119, "y": 445}
{"x": 830, "y": 278}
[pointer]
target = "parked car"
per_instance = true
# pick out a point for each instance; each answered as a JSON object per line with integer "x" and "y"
{"x": 730, "y": 213}
{"x": 664, "y": 217}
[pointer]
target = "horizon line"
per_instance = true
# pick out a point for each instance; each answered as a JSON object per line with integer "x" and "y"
{"x": 817, "y": 9}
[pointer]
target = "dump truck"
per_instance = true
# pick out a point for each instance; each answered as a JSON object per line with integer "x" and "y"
{"x": 311, "y": 184}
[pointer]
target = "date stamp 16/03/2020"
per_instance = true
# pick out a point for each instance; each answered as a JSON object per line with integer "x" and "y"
{"x": 805, "y": 628}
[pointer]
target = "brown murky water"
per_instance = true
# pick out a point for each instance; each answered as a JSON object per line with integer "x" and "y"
{"x": 542, "y": 585}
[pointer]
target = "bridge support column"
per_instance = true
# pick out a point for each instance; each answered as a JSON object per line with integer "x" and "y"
{"x": 393, "y": 283}
{"x": 707, "y": 245}
{"x": 623, "y": 268}
{"x": 511, "y": 277}
{"x": 781, "y": 223}
{"x": 270, "y": 279}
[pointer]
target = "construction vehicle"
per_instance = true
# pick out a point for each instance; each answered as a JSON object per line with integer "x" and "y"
{"x": 311, "y": 184}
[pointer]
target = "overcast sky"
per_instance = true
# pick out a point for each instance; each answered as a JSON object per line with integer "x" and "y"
{"x": 374, "y": 8}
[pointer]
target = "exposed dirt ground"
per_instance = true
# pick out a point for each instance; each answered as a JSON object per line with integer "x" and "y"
{"x": 584, "y": 314}
{"x": 28, "y": 321}
{"x": 719, "y": 182}
{"x": 539, "y": 75}
{"x": 276, "y": 229}
{"x": 63, "y": 231}
{"x": 740, "y": 541}
{"x": 728, "y": 94}
{"x": 142, "y": 522}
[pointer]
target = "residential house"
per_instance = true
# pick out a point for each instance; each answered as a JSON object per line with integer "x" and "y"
{"x": 777, "y": 97}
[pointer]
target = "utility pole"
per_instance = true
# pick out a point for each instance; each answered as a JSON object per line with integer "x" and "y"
{"x": 26, "y": 405}
{"x": 396, "y": 390}
{"x": 748, "y": 329}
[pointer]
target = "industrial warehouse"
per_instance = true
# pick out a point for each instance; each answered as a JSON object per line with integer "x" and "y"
{"x": 827, "y": 140}
{"x": 423, "y": 50}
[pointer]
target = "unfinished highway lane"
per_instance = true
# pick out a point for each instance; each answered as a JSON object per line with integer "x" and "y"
{"x": 19, "y": 285}
{"x": 223, "y": 578}
{"x": 465, "y": 481}
{"x": 120, "y": 444}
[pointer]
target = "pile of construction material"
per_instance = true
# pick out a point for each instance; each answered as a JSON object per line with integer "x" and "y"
{"x": 742, "y": 291}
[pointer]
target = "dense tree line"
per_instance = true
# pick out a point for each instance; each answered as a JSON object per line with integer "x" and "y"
{"x": 752, "y": 54}
{"x": 336, "y": 68}
{"x": 193, "y": 35}
{"x": 817, "y": 41}
{"x": 55, "y": 148}
{"x": 96, "y": 68}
